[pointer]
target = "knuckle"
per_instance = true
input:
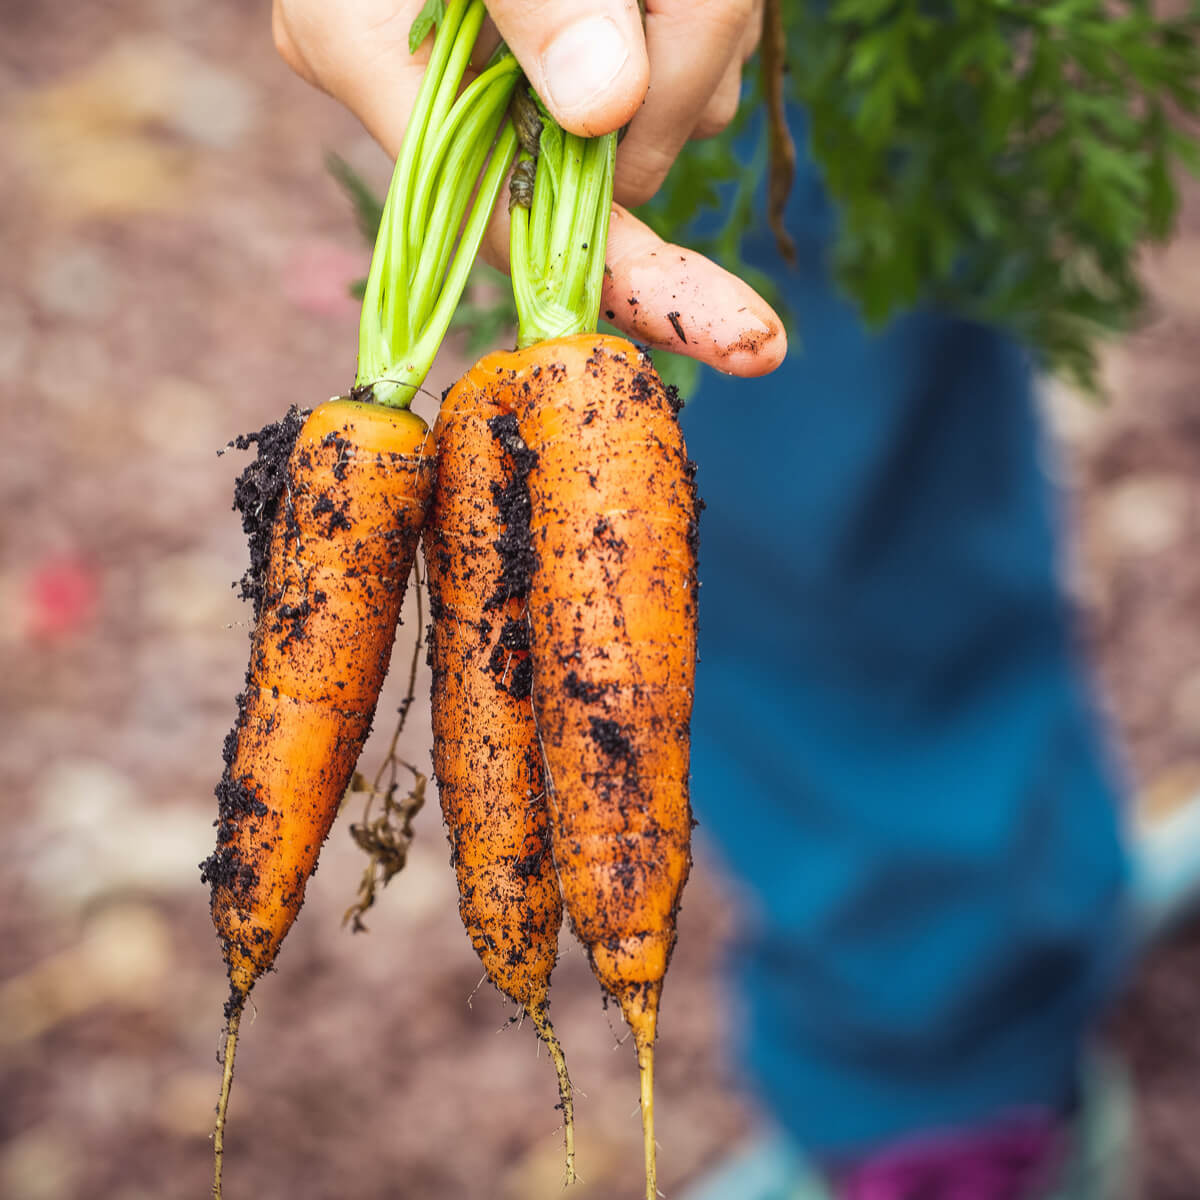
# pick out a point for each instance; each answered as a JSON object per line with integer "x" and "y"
{"x": 718, "y": 113}
{"x": 734, "y": 15}
{"x": 638, "y": 181}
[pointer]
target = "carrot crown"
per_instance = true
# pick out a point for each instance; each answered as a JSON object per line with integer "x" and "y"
{"x": 559, "y": 208}
{"x": 453, "y": 158}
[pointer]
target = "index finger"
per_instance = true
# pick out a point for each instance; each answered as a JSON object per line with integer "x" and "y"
{"x": 673, "y": 298}
{"x": 679, "y": 300}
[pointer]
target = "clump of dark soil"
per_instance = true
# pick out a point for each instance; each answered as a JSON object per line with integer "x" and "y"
{"x": 257, "y": 492}
{"x": 608, "y": 736}
{"x": 515, "y": 543}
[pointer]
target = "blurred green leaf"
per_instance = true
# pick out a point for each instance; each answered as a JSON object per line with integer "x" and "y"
{"x": 368, "y": 208}
{"x": 1001, "y": 159}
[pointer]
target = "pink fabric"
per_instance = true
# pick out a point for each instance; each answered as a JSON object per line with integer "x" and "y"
{"x": 1012, "y": 1160}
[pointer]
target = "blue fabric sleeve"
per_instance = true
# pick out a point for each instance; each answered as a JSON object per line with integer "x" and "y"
{"x": 894, "y": 749}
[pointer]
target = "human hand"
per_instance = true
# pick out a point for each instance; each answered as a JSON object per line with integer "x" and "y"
{"x": 596, "y": 70}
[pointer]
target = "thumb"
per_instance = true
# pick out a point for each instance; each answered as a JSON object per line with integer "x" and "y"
{"x": 585, "y": 58}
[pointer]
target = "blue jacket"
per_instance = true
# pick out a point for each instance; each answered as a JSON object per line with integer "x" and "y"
{"x": 894, "y": 748}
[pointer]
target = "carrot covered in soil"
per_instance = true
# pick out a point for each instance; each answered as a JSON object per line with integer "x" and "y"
{"x": 612, "y": 580}
{"x": 350, "y": 507}
{"x": 612, "y": 611}
{"x": 359, "y": 479}
{"x": 485, "y": 748}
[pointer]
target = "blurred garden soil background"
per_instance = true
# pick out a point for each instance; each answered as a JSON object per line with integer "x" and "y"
{"x": 175, "y": 262}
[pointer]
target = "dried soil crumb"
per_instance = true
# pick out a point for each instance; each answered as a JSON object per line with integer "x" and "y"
{"x": 608, "y": 736}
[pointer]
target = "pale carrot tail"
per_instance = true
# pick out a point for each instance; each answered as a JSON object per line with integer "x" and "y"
{"x": 231, "y": 1039}
{"x": 645, "y": 1057}
{"x": 541, "y": 1022}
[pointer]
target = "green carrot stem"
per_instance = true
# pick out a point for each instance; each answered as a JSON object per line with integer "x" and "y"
{"x": 452, "y": 133}
{"x": 566, "y": 216}
{"x": 457, "y": 62}
{"x": 389, "y": 263}
{"x": 424, "y": 248}
{"x": 593, "y": 283}
{"x": 558, "y": 244}
{"x": 405, "y": 374}
{"x": 453, "y": 185}
{"x": 542, "y": 211}
{"x": 596, "y": 180}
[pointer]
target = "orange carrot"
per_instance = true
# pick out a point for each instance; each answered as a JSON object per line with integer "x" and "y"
{"x": 485, "y": 749}
{"x": 357, "y": 488}
{"x": 612, "y": 608}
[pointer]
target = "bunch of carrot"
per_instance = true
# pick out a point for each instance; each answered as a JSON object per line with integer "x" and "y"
{"x": 588, "y": 735}
{"x": 559, "y": 519}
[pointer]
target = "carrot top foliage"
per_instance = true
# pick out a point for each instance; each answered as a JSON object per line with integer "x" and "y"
{"x": 1002, "y": 159}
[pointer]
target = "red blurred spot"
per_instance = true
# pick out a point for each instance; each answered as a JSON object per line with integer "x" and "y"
{"x": 62, "y": 595}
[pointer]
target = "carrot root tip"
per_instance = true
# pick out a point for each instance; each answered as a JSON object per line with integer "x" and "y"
{"x": 566, "y": 1097}
{"x": 232, "y": 1025}
{"x": 645, "y": 1056}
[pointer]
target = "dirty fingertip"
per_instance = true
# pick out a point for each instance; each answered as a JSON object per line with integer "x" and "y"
{"x": 759, "y": 346}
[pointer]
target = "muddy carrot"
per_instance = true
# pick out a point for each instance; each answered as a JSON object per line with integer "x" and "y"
{"x": 485, "y": 749}
{"x": 612, "y": 608}
{"x": 613, "y": 588}
{"x": 359, "y": 478}
{"x": 354, "y": 498}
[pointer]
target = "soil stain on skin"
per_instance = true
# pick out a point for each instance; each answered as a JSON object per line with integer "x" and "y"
{"x": 608, "y": 736}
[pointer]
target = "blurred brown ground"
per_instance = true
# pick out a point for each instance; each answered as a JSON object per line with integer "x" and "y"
{"x": 175, "y": 260}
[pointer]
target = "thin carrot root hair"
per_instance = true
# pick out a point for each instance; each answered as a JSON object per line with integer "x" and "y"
{"x": 541, "y": 1022}
{"x": 386, "y": 839}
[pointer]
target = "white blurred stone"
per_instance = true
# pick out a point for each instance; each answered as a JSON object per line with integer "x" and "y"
{"x": 1147, "y": 513}
{"x": 123, "y": 958}
{"x": 190, "y": 592}
{"x": 179, "y": 417}
{"x": 92, "y": 142}
{"x": 40, "y": 1164}
{"x": 82, "y": 793}
{"x": 145, "y": 78}
{"x": 93, "y": 836}
{"x": 74, "y": 281}
{"x": 210, "y": 106}
{"x": 126, "y": 952}
{"x": 1168, "y": 791}
{"x": 184, "y": 1106}
{"x": 1074, "y": 419}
